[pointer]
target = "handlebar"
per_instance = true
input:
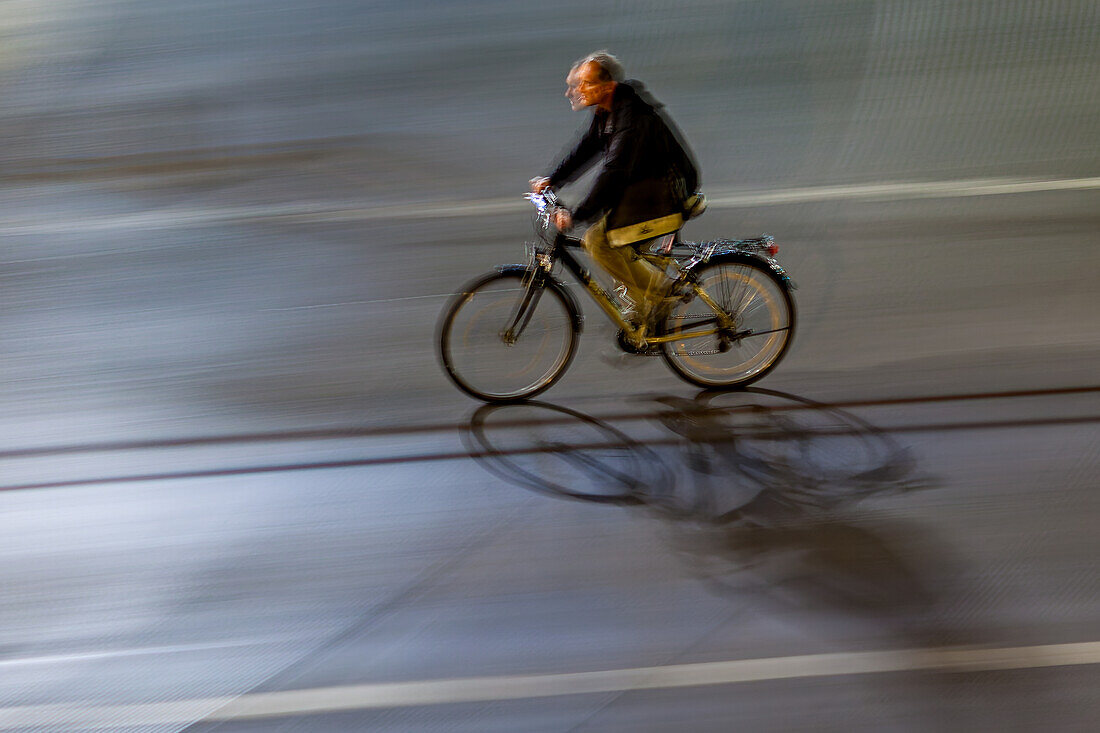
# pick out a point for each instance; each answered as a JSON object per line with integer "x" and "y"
{"x": 545, "y": 201}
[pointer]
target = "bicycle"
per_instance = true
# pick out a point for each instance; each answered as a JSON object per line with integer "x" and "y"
{"x": 726, "y": 317}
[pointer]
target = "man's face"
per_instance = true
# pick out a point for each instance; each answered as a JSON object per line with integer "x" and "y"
{"x": 571, "y": 90}
{"x": 583, "y": 87}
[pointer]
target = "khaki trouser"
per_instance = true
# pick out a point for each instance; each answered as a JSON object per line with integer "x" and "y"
{"x": 643, "y": 281}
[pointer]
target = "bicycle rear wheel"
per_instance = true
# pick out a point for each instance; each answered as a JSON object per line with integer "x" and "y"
{"x": 742, "y": 349}
{"x": 507, "y": 336}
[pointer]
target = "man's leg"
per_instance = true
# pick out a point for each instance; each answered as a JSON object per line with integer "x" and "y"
{"x": 641, "y": 279}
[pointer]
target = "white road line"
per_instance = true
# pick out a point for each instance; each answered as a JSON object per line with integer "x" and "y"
{"x": 305, "y": 212}
{"x": 900, "y": 191}
{"x": 487, "y": 689}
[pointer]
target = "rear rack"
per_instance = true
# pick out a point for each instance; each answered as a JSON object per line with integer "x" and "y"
{"x": 703, "y": 251}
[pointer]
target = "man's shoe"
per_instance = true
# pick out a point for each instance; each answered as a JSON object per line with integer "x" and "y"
{"x": 659, "y": 311}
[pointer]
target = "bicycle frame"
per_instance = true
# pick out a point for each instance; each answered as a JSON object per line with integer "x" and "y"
{"x": 542, "y": 262}
{"x": 560, "y": 253}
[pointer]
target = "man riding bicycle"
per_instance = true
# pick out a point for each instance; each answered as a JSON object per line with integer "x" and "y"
{"x": 647, "y": 182}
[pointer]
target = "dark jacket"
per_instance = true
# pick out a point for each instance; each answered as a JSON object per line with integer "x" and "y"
{"x": 648, "y": 170}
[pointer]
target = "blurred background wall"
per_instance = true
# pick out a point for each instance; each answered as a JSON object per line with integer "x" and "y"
{"x": 429, "y": 95}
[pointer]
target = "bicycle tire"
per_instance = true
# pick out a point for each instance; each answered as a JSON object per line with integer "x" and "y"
{"x": 473, "y": 347}
{"x": 764, "y": 316}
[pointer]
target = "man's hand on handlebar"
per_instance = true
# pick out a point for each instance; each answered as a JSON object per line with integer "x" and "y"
{"x": 563, "y": 220}
{"x": 540, "y": 184}
{"x": 561, "y": 217}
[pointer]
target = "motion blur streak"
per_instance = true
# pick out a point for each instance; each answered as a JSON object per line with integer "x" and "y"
{"x": 441, "y": 692}
{"x": 720, "y": 199}
{"x": 228, "y": 229}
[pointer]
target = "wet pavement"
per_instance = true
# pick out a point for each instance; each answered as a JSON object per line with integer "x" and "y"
{"x": 235, "y": 473}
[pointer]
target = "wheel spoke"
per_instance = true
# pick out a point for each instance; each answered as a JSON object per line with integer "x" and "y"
{"x": 745, "y": 347}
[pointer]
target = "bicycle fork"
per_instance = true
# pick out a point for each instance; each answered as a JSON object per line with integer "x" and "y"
{"x": 533, "y": 286}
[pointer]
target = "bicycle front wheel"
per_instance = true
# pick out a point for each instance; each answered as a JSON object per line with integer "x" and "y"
{"x": 742, "y": 342}
{"x": 508, "y": 336}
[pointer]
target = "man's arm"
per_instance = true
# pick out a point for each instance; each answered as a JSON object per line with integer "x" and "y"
{"x": 627, "y": 136}
{"x": 578, "y": 159}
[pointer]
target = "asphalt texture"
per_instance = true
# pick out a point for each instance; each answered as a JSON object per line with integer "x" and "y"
{"x": 240, "y": 494}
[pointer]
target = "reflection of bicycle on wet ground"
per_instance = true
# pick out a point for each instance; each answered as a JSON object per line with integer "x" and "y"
{"x": 785, "y": 456}
{"x": 726, "y": 317}
{"x": 757, "y": 489}
{"x": 720, "y": 458}
{"x": 562, "y": 452}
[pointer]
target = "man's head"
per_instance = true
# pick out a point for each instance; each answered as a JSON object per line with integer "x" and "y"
{"x": 572, "y": 89}
{"x": 592, "y": 80}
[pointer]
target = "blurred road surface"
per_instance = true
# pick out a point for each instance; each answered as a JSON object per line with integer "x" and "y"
{"x": 240, "y": 494}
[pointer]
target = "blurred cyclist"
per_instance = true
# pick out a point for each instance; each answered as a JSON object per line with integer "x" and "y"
{"x": 648, "y": 174}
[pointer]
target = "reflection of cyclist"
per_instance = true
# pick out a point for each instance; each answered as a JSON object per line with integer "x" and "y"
{"x": 648, "y": 173}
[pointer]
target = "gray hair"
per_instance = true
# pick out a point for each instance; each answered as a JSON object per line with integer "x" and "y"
{"x": 611, "y": 69}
